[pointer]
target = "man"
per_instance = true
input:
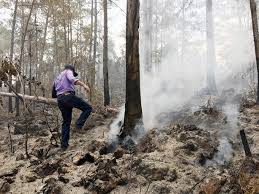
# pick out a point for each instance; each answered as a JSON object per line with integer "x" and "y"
{"x": 64, "y": 91}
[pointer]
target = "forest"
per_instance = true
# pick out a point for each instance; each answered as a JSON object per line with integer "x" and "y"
{"x": 129, "y": 96}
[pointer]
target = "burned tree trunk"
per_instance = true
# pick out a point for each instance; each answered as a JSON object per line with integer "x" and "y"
{"x": 133, "y": 109}
{"x": 12, "y": 51}
{"x": 105, "y": 57}
{"x": 211, "y": 56}
{"x": 256, "y": 40}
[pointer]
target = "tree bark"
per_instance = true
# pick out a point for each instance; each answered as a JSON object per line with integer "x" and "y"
{"x": 21, "y": 57}
{"x": 105, "y": 56}
{"x": 148, "y": 22}
{"x": 133, "y": 109}
{"x": 30, "y": 62}
{"x": 90, "y": 57}
{"x": 12, "y": 52}
{"x": 256, "y": 40}
{"x": 31, "y": 98}
{"x": 45, "y": 36}
{"x": 93, "y": 72}
{"x": 211, "y": 55}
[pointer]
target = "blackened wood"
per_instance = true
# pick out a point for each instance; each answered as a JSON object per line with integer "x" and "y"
{"x": 245, "y": 144}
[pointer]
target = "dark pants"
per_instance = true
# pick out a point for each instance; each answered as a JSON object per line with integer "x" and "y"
{"x": 66, "y": 103}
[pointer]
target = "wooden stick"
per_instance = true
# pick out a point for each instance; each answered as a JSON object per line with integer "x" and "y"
{"x": 32, "y": 98}
{"x": 245, "y": 144}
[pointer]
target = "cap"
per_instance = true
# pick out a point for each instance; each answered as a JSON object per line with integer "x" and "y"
{"x": 72, "y": 68}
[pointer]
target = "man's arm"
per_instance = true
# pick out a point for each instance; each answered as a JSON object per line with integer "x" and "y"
{"x": 78, "y": 82}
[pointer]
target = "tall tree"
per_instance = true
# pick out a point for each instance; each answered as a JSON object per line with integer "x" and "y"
{"x": 92, "y": 82}
{"x": 256, "y": 40}
{"x": 148, "y": 22}
{"x": 45, "y": 35}
{"x": 105, "y": 56}
{"x": 12, "y": 51}
{"x": 21, "y": 56}
{"x": 133, "y": 109}
{"x": 211, "y": 55}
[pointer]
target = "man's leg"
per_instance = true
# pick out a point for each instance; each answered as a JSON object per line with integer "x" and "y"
{"x": 67, "y": 117}
{"x": 86, "y": 109}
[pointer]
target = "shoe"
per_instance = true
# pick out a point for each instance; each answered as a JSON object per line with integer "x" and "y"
{"x": 64, "y": 147}
{"x": 78, "y": 127}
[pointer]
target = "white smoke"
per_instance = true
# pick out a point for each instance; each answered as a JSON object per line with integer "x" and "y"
{"x": 178, "y": 80}
{"x": 181, "y": 69}
{"x": 229, "y": 133}
{"x": 116, "y": 126}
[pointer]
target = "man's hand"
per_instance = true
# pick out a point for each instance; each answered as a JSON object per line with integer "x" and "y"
{"x": 87, "y": 89}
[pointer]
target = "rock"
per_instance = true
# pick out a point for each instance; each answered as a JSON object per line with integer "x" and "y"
{"x": 183, "y": 137}
{"x": 47, "y": 168}
{"x": 119, "y": 153}
{"x": 249, "y": 176}
{"x": 152, "y": 173}
{"x": 149, "y": 142}
{"x": 51, "y": 187}
{"x": 80, "y": 160}
{"x": 63, "y": 179}
{"x": 102, "y": 187}
{"x": 171, "y": 176}
{"x": 77, "y": 184}
{"x": 4, "y": 187}
{"x": 8, "y": 172}
{"x": 30, "y": 178}
{"x": 41, "y": 122}
{"x": 212, "y": 186}
{"x": 10, "y": 180}
{"x": 20, "y": 157}
{"x": 96, "y": 145}
{"x": 44, "y": 133}
{"x": 104, "y": 150}
{"x": 190, "y": 146}
{"x": 161, "y": 189}
{"x": 66, "y": 168}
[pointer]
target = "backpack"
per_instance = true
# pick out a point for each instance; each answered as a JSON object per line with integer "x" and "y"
{"x": 54, "y": 92}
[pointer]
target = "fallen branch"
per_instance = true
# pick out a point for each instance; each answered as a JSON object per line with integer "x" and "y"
{"x": 32, "y": 98}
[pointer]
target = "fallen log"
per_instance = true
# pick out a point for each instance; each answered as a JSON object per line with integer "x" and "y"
{"x": 53, "y": 101}
{"x": 31, "y": 98}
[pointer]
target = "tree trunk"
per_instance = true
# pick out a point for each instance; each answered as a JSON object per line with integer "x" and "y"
{"x": 256, "y": 40}
{"x": 148, "y": 22}
{"x": 105, "y": 56}
{"x": 133, "y": 109}
{"x": 65, "y": 40}
{"x": 30, "y": 63}
{"x": 71, "y": 38}
{"x": 31, "y": 98}
{"x": 91, "y": 33}
{"x": 45, "y": 37}
{"x": 94, "y": 54}
{"x": 11, "y": 53}
{"x": 21, "y": 57}
{"x": 183, "y": 33}
{"x": 211, "y": 55}
{"x": 36, "y": 57}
